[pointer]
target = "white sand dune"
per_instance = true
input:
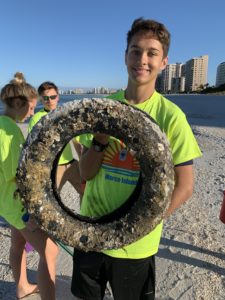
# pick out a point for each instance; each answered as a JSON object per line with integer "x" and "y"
{"x": 191, "y": 260}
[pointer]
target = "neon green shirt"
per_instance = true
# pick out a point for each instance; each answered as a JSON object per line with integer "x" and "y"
{"x": 118, "y": 174}
{"x": 11, "y": 141}
{"x": 66, "y": 155}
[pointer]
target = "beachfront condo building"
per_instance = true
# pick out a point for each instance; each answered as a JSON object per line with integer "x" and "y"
{"x": 196, "y": 73}
{"x": 188, "y": 77}
{"x": 171, "y": 81}
{"x": 220, "y": 74}
{"x": 167, "y": 74}
{"x": 178, "y": 85}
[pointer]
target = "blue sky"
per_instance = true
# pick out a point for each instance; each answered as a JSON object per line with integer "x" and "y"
{"x": 81, "y": 43}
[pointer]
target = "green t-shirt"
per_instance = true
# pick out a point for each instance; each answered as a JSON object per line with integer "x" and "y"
{"x": 119, "y": 172}
{"x": 11, "y": 141}
{"x": 67, "y": 155}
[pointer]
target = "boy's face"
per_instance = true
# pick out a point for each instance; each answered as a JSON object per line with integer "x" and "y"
{"x": 144, "y": 59}
{"x": 50, "y": 99}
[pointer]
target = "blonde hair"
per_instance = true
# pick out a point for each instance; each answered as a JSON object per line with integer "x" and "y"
{"x": 17, "y": 88}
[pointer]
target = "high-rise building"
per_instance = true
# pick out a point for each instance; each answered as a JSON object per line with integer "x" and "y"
{"x": 169, "y": 81}
{"x": 220, "y": 74}
{"x": 167, "y": 74}
{"x": 178, "y": 84}
{"x": 196, "y": 73}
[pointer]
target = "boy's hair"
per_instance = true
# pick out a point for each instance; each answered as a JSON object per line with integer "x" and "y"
{"x": 47, "y": 85}
{"x": 17, "y": 88}
{"x": 152, "y": 28}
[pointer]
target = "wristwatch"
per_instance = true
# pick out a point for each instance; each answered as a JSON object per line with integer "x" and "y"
{"x": 98, "y": 147}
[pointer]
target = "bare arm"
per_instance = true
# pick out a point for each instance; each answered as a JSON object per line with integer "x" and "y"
{"x": 184, "y": 183}
{"x": 90, "y": 160}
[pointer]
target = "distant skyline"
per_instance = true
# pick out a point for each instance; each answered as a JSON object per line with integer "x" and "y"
{"x": 78, "y": 43}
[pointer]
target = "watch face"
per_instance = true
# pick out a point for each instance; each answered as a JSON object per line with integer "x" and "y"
{"x": 97, "y": 148}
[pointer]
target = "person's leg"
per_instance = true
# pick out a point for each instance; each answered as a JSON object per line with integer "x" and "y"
{"x": 73, "y": 176}
{"x": 60, "y": 176}
{"x": 69, "y": 172}
{"x": 132, "y": 278}
{"x": 48, "y": 252}
{"x": 148, "y": 291}
{"x": 88, "y": 278}
{"x": 17, "y": 258}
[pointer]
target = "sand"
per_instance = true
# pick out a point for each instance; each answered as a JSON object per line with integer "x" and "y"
{"x": 190, "y": 263}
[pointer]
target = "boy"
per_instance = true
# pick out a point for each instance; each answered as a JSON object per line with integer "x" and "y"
{"x": 68, "y": 169}
{"x": 131, "y": 270}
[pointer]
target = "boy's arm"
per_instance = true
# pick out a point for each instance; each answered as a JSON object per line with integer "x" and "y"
{"x": 91, "y": 160}
{"x": 184, "y": 183}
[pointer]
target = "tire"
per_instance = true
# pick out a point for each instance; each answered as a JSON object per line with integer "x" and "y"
{"x": 45, "y": 143}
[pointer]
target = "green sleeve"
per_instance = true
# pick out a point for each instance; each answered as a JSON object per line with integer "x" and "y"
{"x": 86, "y": 139}
{"x": 31, "y": 124}
{"x": 183, "y": 144}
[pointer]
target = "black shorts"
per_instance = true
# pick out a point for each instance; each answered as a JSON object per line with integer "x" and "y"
{"x": 130, "y": 279}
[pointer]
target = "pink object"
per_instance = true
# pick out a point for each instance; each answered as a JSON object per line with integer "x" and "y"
{"x": 28, "y": 247}
{"x": 222, "y": 211}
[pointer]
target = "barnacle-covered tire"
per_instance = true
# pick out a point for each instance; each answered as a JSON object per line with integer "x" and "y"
{"x": 138, "y": 131}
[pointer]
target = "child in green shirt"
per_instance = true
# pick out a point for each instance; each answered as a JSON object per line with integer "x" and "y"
{"x": 20, "y": 99}
{"x": 68, "y": 169}
{"x": 111, "y": 172}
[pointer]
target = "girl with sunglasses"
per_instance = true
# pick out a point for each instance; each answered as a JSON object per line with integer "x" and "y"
{"x": 20, "y": 99}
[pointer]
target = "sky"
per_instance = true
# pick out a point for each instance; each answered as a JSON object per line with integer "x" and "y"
{"x": 81, "y": 43}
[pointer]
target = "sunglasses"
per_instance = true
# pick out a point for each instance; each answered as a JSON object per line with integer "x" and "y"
{"x": 46, "y": 98}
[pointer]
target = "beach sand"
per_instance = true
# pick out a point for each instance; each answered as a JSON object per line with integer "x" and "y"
{"x": 190, "y": 263}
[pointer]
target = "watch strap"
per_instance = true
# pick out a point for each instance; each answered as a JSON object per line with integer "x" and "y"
{"x": 99, "y": 147}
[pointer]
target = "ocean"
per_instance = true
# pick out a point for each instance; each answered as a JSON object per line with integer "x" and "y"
{"x": 202, "y": 110}
{"x": 205, "y": 110}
